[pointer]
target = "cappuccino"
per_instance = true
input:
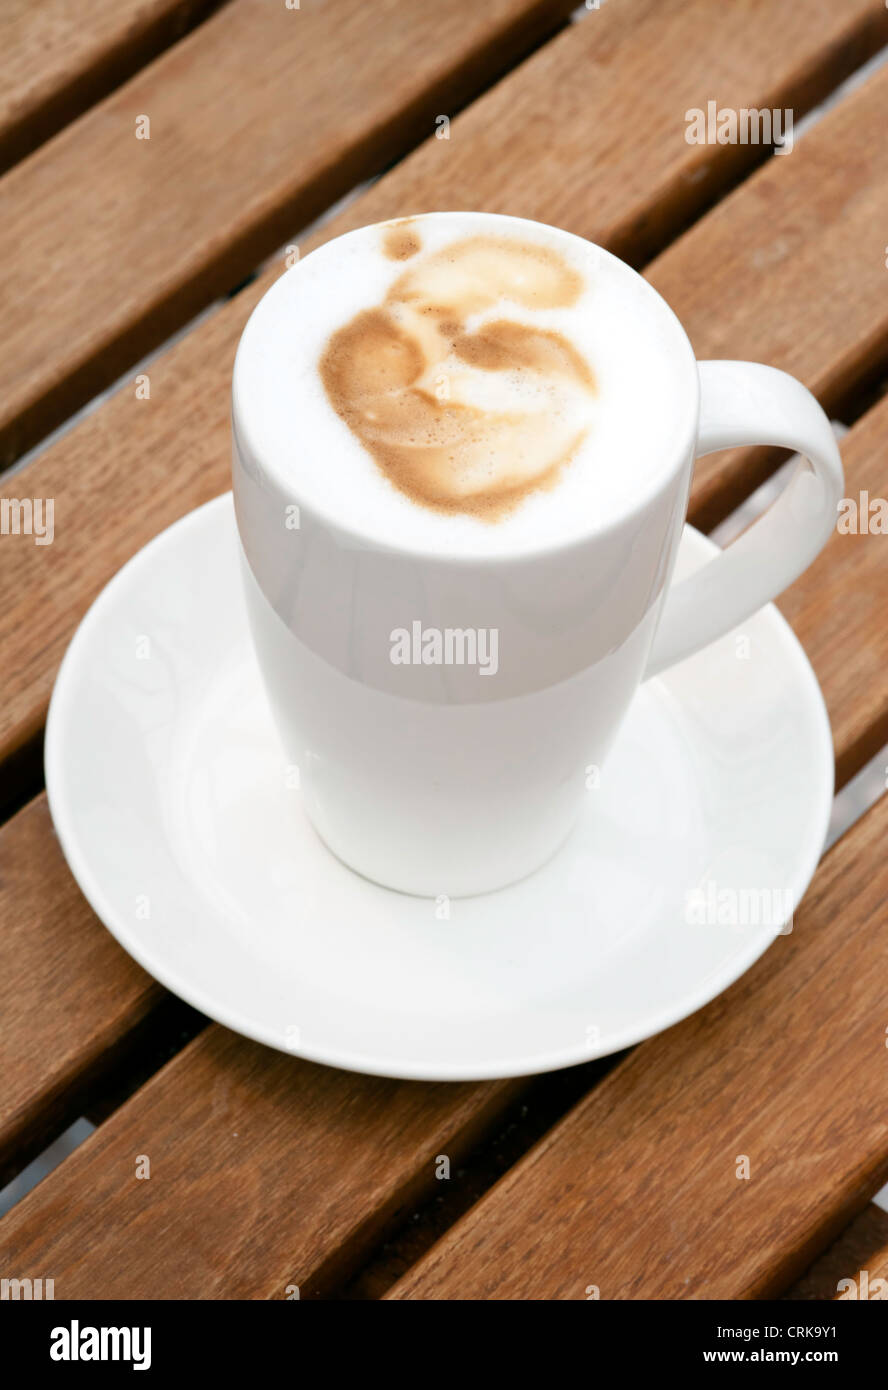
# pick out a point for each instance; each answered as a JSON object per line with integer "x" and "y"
{"x": 459, "y": 382}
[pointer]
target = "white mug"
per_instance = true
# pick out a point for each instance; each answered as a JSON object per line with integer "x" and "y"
{"x": 455, "y": 778}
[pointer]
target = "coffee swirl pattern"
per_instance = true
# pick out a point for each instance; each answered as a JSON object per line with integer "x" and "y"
{"x": 463, "y": 408}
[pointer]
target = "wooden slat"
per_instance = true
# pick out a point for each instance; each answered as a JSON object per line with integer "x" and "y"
{"x": 870, "y": 1279}
{"x": 68, "y": 995}
{"x": 862, "y": 1245}
{"x": 153, "y": 460}
{"x": 637, "y": 1192}
{"x": 56, "y": 58}
{"x": 259, "y": 120}
{"x": 265, "y": 1172}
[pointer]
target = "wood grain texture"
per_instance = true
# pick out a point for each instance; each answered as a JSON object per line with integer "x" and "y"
{"x": 57, "y": 58}
{"x": 258, "y": 120}
{"x": 862, "y": 1245}
{"x": 152, "y": 460}
{"x": 68, "y": 995}
{"x": 265, "y": 1172}
{"x": 637, "y": 1192}
{"x": 838, "y": 606}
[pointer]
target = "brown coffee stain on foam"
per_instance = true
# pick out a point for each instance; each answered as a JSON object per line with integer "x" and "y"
{"x": 502, "y": 346}
{"x": 407, "y": 377}
{"x": 400, "y": 240}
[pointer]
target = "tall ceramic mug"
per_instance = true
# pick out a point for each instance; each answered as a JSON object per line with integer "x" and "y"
{"x": 443, "y": 708}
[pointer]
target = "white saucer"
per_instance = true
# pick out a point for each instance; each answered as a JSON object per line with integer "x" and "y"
{"x": 170, "y": 796}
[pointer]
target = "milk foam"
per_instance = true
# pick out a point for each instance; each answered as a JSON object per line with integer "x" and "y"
{"x": 588, "y": 437}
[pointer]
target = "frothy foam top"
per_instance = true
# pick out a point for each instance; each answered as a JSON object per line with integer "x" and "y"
{"x": 463, "y": 382}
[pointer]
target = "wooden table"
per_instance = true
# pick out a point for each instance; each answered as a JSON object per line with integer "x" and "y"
{"x": 126, "y": 257}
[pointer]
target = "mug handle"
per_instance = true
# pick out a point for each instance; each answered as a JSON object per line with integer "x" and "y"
{"x": 747, "y": 403}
